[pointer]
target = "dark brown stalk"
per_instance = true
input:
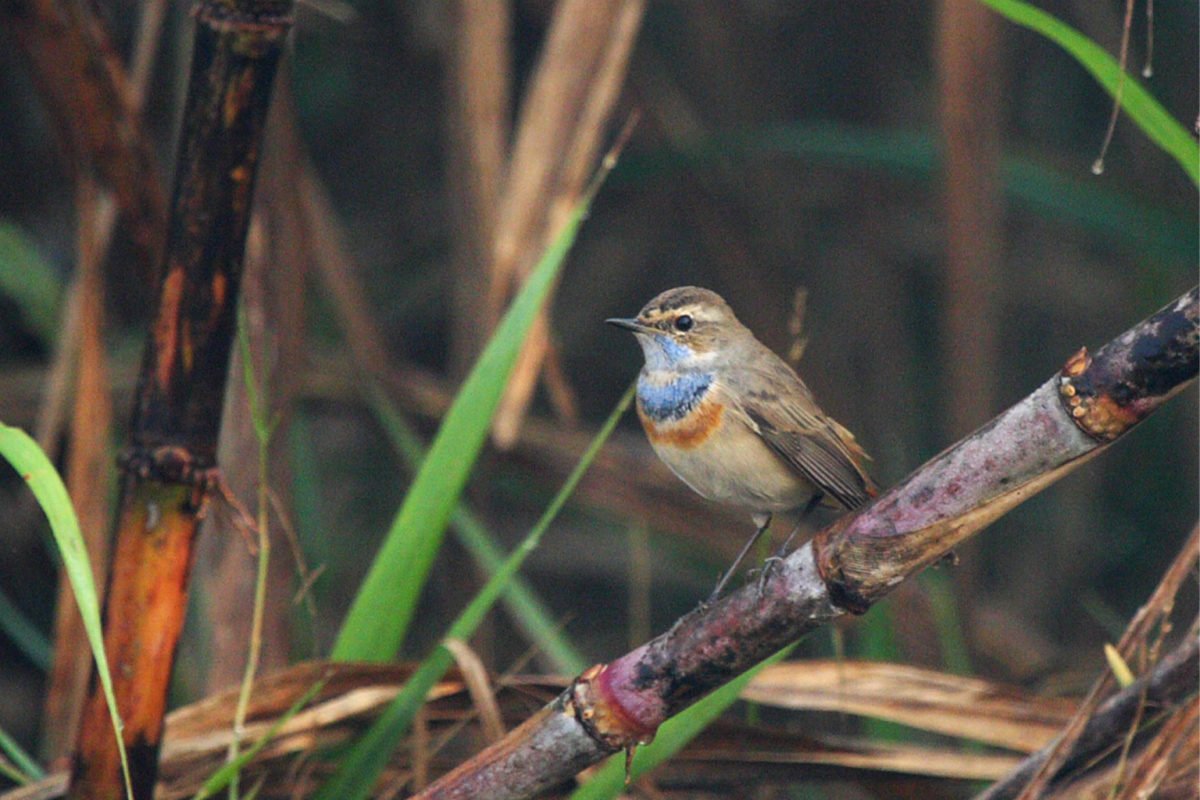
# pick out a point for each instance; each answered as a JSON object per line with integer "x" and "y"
{"x": 81, "y": 339}
{"x": 851, "y": 564}
{"x": 170, "y": 466}
{"x": 86, "y": 91}
{"x": 1170, "y": 683}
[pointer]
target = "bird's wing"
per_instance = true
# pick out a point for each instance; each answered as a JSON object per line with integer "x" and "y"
{"x": 817, "y": 447}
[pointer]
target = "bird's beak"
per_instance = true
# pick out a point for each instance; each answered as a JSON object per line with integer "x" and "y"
{"x": 630, "y": 325}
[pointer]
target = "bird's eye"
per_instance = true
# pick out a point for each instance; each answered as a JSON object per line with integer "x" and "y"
{"x": 683, "y": 322}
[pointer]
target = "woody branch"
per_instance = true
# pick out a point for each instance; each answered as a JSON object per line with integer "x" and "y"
{"x": 170, "y": 464}
{"x": 850, "y": 565}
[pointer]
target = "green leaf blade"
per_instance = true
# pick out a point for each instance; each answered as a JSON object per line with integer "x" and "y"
{"x": 23, "y": 453}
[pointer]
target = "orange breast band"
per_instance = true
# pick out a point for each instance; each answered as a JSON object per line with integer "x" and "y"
{"x": 689, "y": 432}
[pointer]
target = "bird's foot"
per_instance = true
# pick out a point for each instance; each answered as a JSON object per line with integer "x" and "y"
{"x": 764, "y": 574}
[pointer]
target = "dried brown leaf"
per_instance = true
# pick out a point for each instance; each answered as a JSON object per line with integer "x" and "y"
{"x": 969, "y": 708}
{"x": 476, "y": 677}
{"x": 738, "y": 744}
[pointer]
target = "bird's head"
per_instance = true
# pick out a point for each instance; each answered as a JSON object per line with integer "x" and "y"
{"x": 683, "y": 327}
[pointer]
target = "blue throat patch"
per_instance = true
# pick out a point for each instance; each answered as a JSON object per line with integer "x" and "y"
{"x": 674, "y": 400}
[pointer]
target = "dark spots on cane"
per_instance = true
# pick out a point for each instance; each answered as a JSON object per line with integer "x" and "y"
{"x": 1123, "y": 394}
{"x": 1166, "y": 357}
{"x": 846, "y": 597}
{"x": 725, "y": 656}
{"x": 649, "y": 672}
{"x": 922, "y": 497}
{"x": 774, "y": 625}
{"x": 685, "y": 690}
{"x": 682, "y": 695}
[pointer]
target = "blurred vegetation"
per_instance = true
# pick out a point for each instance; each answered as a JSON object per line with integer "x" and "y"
{"x": 781, "y": 145}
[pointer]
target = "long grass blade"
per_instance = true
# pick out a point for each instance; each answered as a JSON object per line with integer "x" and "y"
{"x": 360, "y": 768}
{"x": 20, "y": 450}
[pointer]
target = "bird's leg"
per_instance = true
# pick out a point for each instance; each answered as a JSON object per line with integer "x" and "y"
{"x": 763, "y": 521}
{"x": 781, "y": 553}
{"x": 808, "y": 509}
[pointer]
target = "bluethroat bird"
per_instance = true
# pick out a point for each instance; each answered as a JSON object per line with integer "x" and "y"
{"x": 732, "y": 420}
